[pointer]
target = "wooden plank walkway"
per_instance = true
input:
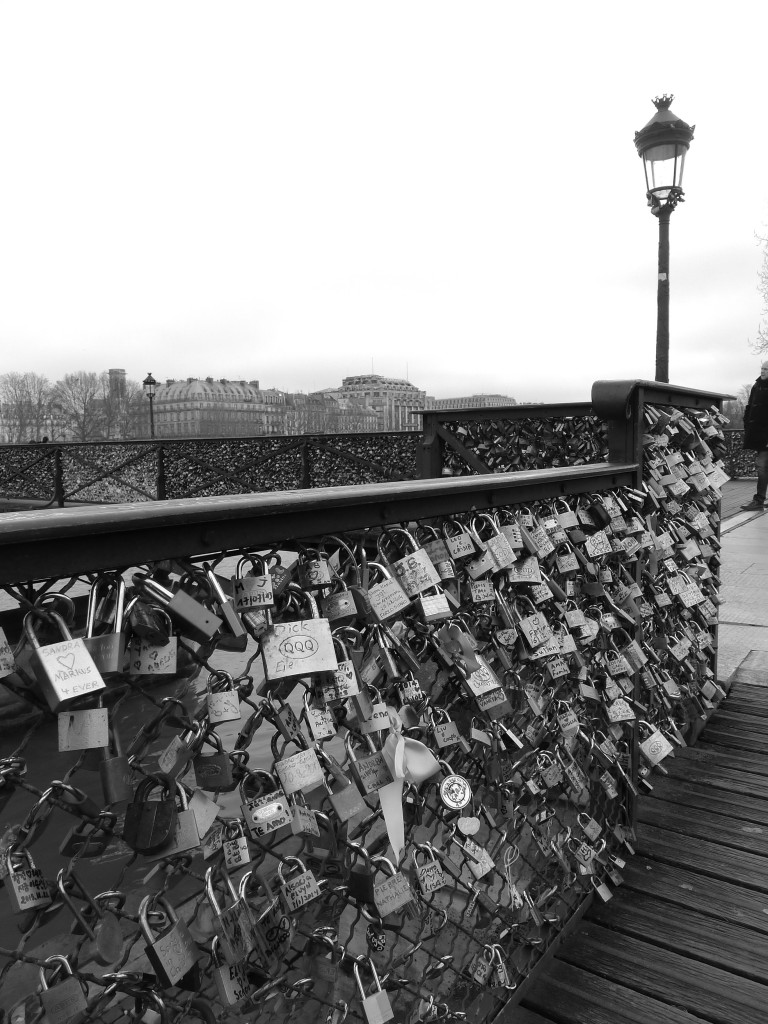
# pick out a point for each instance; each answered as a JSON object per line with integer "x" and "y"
{"x": 685, "y": 938}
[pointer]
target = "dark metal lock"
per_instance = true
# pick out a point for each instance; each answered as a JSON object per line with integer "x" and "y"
{"x": 173, "y": 953}
{"x": 148, "y": 622}
{"x": 214, "y": 771}
{"x": 149, "y": 824}
{"x": 65, "y": 1000}
{"x": 361, "y": 876}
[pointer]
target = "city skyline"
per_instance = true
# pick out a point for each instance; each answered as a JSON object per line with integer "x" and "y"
{"x": 452, "y": 194}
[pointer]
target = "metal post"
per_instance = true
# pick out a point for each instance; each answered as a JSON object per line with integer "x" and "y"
{"x": 151, "y": 416}
{"x": 662, "y": 299}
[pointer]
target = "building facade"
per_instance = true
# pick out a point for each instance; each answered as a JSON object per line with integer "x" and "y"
{"x": 469, "y": 402}
{"x": 225, "y": 408}
{"x": 396, "y": 402}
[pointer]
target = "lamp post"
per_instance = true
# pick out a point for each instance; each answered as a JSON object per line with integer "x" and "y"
{"x": 150, "y": 384}
{"x": 662, "y": 144}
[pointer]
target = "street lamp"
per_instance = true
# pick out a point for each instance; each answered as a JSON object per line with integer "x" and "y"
{"x": 662, "y": 144}
{"x": 149, "y": 384}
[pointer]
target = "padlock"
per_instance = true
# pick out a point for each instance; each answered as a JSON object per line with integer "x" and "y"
{"x": 387, "y": 597}
{"x": 438, "y": 552}
{"x": 26, "y": 887}
{"x": 346, "y": 800}
{"x": 656, "y": 746}
{"x": 155, "y": 651}
{"x": 185, "y": 836}
{"x": 115, "y": 771}
{"x": 233, "y": 922}
{"x": 194, "y": 620}
{"x": 370, "y": 772}
{"x": 298, "y": 885}
{"x": 63, "y": 1001}
{"x": 107, "y": 648}
{"x": 235, "y": 845}
{"x": 414, "y": 570}
{"x": 445, "y": 731}
{"x": 87, "y": 729}
{"x": 480, "y": 967}
{"x": 433, "y": 605}
{"x": 222, "y": 698}
{"x": 265, "y": 812}
{"x": 213, "y": 771}
{"x": 64, "y": 670}
{"x": 253, "y": 594}
{"x": 312, "y": 570}
{"x": 150, "y": 824}
{"x": 340, "y": 604}
{"x": 320, "y": 720}
{"x": 495, "y": 540}
{"x": 232, "y": 982}
{"x": 272, "y": 928}
{"x": 299, "y": 648}
{"x": 173, "y": 953}
{"x": 394, "y": 893}
{"x": 460, "y": 543}
{"x": 300, "y": 771}
{"x": 376, "y": 1007}
{"x": 429, "y": 873}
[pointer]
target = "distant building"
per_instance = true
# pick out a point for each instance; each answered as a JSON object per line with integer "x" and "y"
{"x": 469, "y": 402}
{"x": 117, "y": 388}
{"x": 396, "y": 402}
{"x": 225, "y": 408}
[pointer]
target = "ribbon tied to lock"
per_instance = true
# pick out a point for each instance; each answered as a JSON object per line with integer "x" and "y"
{"x": 411, "y": 761}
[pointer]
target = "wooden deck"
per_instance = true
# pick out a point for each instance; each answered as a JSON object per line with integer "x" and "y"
{"x": 685, "y": 938}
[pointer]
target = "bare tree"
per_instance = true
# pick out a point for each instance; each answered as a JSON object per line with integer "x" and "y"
{"x": 26, "y": 400}
{"x": 734, "y": 409}
{"x": 79, "y": 396}
{"x": 761, "y": 342}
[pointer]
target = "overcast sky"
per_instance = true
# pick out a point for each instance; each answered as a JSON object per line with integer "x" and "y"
{"x": 298, "y": 191}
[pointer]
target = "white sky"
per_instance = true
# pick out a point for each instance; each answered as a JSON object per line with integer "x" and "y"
{"x": 296, "y": 191}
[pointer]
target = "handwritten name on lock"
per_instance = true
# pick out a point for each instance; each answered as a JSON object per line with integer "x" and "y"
{"x": 7, "y": 664}
{"x": 70, "y": 668}
{"x": 30, "y": 887}
{"x": 298, "y": 648}
{"x": 300, "y": 771}
{"x": 253, "y": 592}
{"x": 415, "y": 572}
{"x": 392, "y": 894}
{"x": 482, "y": 679}
{"x": 148, "y": 659}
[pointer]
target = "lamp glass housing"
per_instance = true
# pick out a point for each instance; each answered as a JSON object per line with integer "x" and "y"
{"x": 664, "y": 165}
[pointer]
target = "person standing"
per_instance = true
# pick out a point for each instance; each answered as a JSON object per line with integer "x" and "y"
{"x": 756, "y": 434}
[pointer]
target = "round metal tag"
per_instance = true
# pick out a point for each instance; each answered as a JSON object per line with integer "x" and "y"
{"x": 455, "y": 792}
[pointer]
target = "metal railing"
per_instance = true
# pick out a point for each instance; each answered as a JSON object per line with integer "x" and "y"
{"x": 120, "y": 471}
{"x": 739, "y": 461}
{"x": 553, "y": 737}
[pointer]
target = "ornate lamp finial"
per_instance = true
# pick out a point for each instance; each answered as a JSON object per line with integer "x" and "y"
{"x": 663, "y": 102}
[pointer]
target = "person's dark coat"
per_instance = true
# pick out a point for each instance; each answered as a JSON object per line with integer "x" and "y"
{"x": 756, "y": 417}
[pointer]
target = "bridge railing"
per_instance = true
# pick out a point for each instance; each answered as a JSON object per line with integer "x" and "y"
{"x": 547, "y": 637}
{"x": 120, "y": 471}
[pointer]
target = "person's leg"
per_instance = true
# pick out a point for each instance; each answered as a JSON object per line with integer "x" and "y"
{"x": 761, "y": 461}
